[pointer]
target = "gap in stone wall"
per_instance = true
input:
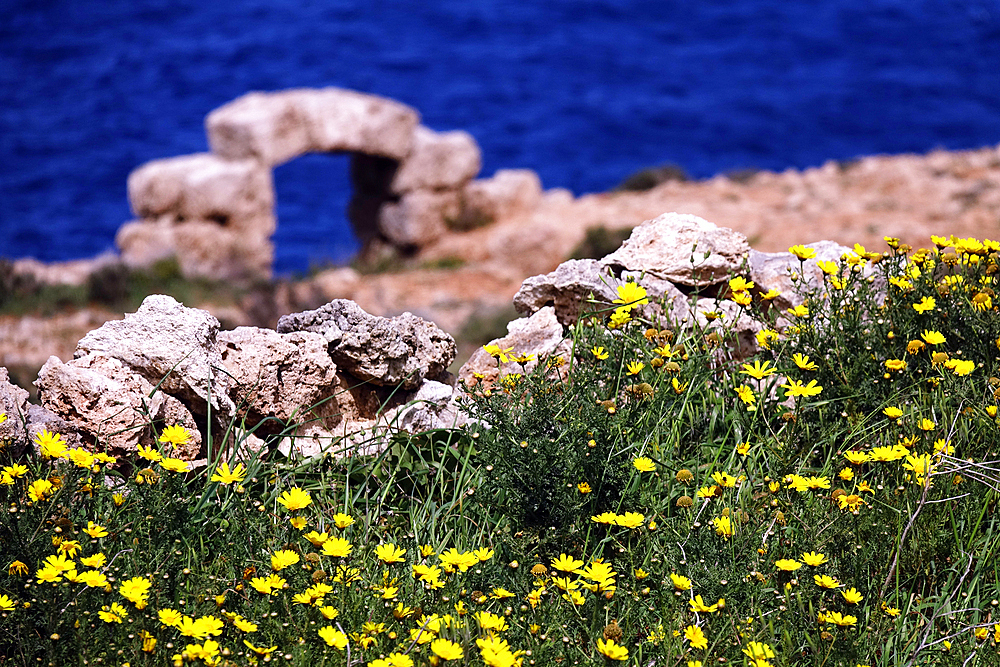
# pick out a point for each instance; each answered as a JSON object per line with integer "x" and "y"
{"x": 312, "y": 194}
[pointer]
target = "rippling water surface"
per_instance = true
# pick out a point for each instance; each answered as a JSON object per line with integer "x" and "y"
{"x": 583, "y": 92}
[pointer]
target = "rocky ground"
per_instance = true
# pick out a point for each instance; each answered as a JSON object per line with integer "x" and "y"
{"x": 465, "y": 281}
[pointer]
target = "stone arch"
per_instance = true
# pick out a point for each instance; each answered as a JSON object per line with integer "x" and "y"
{"x": 215, "y": 212}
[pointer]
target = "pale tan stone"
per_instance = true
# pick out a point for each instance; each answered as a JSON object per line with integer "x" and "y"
{"x": 438, "y": 161}
{"x": 683, "y": 249}
{"x": 419, "y": 217}
{"x": 276, "y": 127}
{"x": 282, "y": 376}
{"x": 112, "y": 406}
{"x": 509, "y": 193}
{"x": 238, "y": 194}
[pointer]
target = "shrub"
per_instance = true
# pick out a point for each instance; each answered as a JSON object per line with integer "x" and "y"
{"x": 648, "y": 497}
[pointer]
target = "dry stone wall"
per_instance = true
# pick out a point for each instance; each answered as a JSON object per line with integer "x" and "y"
{"x": 215, "y": 212}
{"x": 332, "y": 378}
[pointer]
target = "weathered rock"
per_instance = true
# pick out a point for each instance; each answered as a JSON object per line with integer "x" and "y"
{"x": 276, "y": 375}
{"x": 567, "y": 290}
{"x": 276, "y": 127}
{"x": 267, "y": 127}
{"x": 111, "y": 406}
{"x": 237, "y": 194}
{"x": 14, "y": 406}
{"x": 438, "y": 161}
{"x": 508, "y": 193}
{"x": 40, "y": 419}
{"x": 419, "y": 217}
{"x": 402, "y": 350}
{"x": 575, "y": 281}
{"x": 143, "y": 243}
{"x": 172, "y": 347}
{"x": 734, "y": 319}
{"x": 202, "y": 248}
{"x": 207, "y": 250}
{"x": 673, "y": 247}
{"x": 540, "y": 335}
{"x": 774, "y": 270}
{"x": 432, "y": 407}
{"x": 346, "y": 120}
{"x": 357, "y": 418}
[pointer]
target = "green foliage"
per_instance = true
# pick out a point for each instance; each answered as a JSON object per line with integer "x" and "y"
{"x": 647, "y": 179}
{"x": 114, "y": 287}
{"x": 808, "y": 506}
{"x": 599, "y": 241}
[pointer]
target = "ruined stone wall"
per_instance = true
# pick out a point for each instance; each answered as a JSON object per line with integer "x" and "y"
{"x": 215, "y": 212}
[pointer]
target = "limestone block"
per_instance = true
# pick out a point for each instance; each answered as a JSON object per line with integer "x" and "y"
{"x": 346, "y": 120}
{"x": 509, "y": 192}
{"x": 439, "y": 160}
{"x": 774, "y": 270}
{"x": 268, "y": 127}
{"x": 433, "y": 406}
{"x": 203, "y": 249}
{"x": 203, "y": 186}
{"x": 276, "y": 375}
{"x": 540, "y": 335}
{"x": 567, "y": 289}
{"x": 276, "y": 127}
{"x": 142, "y": 243}
{"x": 207, "y": 250}
{"x": 576, "y": 281}
{"x": 13, "y": 405}
{"x": 663, "y": 246}
{"x": 419, "y": 217}
{"x": 40, "y": 419}
{"x": 170, "y": 346}
{"x": 358, "y": 418}
{"x": 110, "y": 405}
{"x": 402, "y": 350}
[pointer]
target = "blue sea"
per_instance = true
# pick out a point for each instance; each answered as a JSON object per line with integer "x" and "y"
{"x": 584, "y": 92}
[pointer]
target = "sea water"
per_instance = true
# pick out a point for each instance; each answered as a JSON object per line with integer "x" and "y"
{"x": 584, "y": 92}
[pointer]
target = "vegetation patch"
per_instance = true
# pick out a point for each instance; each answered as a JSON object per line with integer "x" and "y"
{"x": 115, "y": 287}
{"x": 648, "y": 499}
{"x": 600, "y": 240}
{"x": 649, "y": 178}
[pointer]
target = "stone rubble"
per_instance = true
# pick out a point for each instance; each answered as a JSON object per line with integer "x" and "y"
{"x": 333, "y": 379}
{"x": 509, "y": 193}
{"x": 403, "y": 350}
{"x": 107, "y": 403}
{"x": 683, "y": 249}
{"x": 173, "y": 347}
{"x": 275, "y": 375}
{"x": 539, "y": 337}
{"x": 338, "y": 379}
{"x": 14, "y": 405}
